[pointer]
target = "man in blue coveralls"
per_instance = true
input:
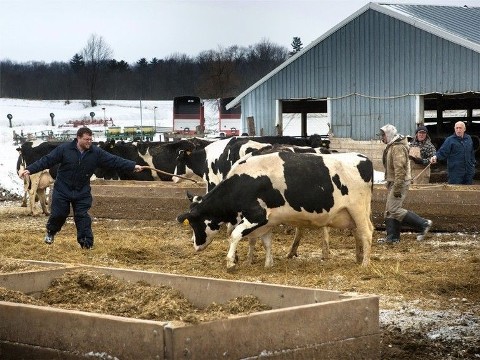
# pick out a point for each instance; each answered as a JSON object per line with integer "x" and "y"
{"x": 458, "y": 150}
{"x": 78, "y": 160}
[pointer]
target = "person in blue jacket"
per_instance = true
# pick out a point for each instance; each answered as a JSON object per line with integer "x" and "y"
{"x": 458, "y": 150}
{"x": 78, "y": 160}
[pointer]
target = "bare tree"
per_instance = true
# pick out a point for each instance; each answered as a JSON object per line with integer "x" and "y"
{"x": 218, "y": 77}
{"x": 96, "y": 55}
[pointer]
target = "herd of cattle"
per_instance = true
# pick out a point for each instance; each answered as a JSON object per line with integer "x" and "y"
{"x": 253, "y": 185}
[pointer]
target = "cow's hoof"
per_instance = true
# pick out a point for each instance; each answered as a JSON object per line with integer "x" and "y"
{"x": 290, "y": 255}
{"x": 231, "y": 265}
{"x": 249, "y": 260}
{"x": 231, "y": 269}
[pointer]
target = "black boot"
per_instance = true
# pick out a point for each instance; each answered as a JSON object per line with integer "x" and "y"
{"x": 421, "y": 225}
{"x": 392, "y": 226}
{"x": 49, "y": 238}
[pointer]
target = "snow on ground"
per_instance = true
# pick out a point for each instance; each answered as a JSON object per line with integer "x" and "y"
{"x": 33, "y": 116}
{"x": 439, "y": 325}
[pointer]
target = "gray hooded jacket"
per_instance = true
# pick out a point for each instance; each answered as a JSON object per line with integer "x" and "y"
{"x": 395, "y": 158}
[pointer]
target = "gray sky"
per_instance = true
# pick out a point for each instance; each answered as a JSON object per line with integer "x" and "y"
{"x": 54, "y": 30}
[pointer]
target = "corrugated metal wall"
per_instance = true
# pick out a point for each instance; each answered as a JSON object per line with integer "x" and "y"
{"x": 382, "y": 60}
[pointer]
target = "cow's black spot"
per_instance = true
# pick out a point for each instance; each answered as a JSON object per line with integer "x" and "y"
{"x": 343, "y": 188}
{"x": 365, "y": 169}
{"x": 199, "y": 229}
{"x": 308, "y": 181}
{"x": 252, "y": 189}
{"x": 239, "y": 194}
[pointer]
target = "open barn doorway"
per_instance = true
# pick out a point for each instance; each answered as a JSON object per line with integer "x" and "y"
{"x": 302, "y": 117}
{"x": 442, "y": 111}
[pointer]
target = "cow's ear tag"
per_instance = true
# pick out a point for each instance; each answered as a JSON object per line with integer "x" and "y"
{"x": 186, "y": 222}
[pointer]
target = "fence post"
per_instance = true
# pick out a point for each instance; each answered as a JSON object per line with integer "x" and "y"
{"x": 251, "y": 126}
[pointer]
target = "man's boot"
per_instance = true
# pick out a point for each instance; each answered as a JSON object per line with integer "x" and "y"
{"x": 49, "y": 236}
{"x": 421, "y": 225}
{"x": 392, "y": 227}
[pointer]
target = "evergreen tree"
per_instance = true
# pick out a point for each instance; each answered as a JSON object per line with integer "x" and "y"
{"x": 122, "y": 66}
{"x": 77, "y": 63}
{"x": 142, "y": 63}
{"x": 296, "y": 45}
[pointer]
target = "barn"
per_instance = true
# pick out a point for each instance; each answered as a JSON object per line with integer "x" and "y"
{"x": 386, "y": 63}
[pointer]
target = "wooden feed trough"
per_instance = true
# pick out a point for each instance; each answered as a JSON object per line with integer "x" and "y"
{"x": 304, "y": 323}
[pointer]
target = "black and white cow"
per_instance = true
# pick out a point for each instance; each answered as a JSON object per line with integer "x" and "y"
{"x": 293, "y": 252}
{"x": 164, "y": 155}
{"x": 215, "y": 161}
{"x": 261, "y": 192}
{"x": 314, "y": 141}
{"x": 158, "y": 155}
{"x": 126, "y": 150}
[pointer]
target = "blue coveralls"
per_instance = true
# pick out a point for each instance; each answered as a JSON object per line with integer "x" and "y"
{"x": 460, "y": 156}
{"x": 72, "y": 185}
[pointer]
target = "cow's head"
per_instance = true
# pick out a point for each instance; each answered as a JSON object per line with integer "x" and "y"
{"x": 203, "y": 229}
{"x": 181, "y": 165}
{"x": 194, "y": 198}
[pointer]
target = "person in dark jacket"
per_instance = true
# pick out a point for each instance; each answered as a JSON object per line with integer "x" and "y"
{"x": 78, "y": 160}
{"x": 421, "y": 150}
{"x": 458, "y": 150}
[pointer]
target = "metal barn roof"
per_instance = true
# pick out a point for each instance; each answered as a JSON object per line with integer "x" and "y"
{"x": 460, "y": 25}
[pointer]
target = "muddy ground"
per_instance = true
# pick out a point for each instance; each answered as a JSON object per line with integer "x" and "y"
{"x": 429, "y": 291}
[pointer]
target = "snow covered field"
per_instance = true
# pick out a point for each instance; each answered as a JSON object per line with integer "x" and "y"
{"x": 33, "y": 116}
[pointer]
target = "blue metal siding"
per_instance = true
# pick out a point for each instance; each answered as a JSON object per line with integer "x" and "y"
{"x": 462, "y": 21}
{"x": 385, "y": 61}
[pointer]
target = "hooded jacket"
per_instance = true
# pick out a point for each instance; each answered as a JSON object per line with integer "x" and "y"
{"x": 395, "y": 158}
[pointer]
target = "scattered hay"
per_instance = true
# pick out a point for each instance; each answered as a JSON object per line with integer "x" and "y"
{"x": 91, "y": 291}
{"x": 12, "y": 265}
{"x": 412, "y": 275}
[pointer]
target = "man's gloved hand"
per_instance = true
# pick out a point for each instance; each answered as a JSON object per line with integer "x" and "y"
{"x": 416, "y": 160}
{"x": 397, "y": 193}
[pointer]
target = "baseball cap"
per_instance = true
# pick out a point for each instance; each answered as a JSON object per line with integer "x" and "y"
{"x": 421, "y": 128}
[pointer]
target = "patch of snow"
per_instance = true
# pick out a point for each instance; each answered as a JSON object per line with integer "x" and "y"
{"x": 440, "y": 325}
